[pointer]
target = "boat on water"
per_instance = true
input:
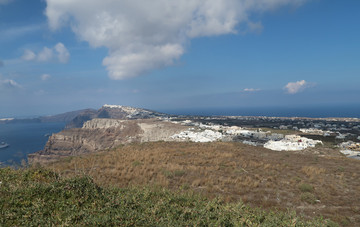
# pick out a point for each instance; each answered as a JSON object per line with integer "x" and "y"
{"x": 3, "y": 145}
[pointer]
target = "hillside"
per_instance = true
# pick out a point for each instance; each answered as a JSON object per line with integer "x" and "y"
{"x": 312, "y": 185}
{"x": 37, "y": 197}
{"x": 113, "y": 112}
{"x": 102, "y": 134}
{"x": 63, "y": 117}
{"x": 76, "y": 119}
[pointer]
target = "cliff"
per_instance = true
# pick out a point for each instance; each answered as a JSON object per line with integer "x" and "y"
{"x": 100, "y": 134}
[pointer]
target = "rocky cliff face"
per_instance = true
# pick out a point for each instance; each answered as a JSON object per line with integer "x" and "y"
{"x": 101, "y": 134}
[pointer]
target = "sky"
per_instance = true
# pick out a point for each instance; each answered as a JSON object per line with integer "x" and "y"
{"x": 60, "y": 55}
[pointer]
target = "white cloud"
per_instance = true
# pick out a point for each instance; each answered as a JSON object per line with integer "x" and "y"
{"x": 9, "y": 84}
{"x": 63, "y": 53}
{"x": 251, "y": 89}
{"x": 45, "y": 76}
{"x": 133, "y": 64}
{"x": 146, "y": 35}
{"x": 28, "y": 55}
{"x": 296, "y": 87}
{"x": 47, "y": 54}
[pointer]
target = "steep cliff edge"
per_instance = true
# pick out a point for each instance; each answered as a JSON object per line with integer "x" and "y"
{"x": 100, "y": 134}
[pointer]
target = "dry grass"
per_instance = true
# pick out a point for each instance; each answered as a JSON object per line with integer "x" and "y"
{"x": 312, "y": 185}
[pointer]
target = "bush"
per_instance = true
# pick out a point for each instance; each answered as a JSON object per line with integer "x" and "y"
{"x": 36, "y": 197}
{"x": 308, "y": 197}
{"x": 306, "y": 188}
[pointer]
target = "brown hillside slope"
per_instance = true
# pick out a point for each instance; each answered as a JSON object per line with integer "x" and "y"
{"x": 312, "y": 185}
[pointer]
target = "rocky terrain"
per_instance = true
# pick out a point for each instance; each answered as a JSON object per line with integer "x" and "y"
{"x": 112, "y": 125}
{"x": 113, "y": 112}
{"x": 101, "y": 134}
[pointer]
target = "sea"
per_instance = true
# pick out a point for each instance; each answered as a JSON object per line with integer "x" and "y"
{"x": 24, "y": 138}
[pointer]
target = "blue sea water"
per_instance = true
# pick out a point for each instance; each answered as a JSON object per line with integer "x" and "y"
{"x": 24, "y": 138}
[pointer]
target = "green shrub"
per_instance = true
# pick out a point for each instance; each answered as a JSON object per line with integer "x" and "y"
{"x": 308, "y": 197}
{"x": 137, "y": 163}
{"x": 37, "y": 197}
{"x": 306, "y": 188}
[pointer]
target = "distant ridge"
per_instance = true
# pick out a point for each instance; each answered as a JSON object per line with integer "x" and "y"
{"x": 64, "y": 117}
{"x": 113, "y": 112}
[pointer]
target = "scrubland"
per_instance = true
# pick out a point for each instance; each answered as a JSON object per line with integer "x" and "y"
{"x": 39, "y": 197}
{"x": 310, "y": 184}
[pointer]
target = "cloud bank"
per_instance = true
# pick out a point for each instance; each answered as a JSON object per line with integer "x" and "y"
{"x": 46, "y": 54}
{"x": 296, "y": 87}
{"x": 146, "y": 35}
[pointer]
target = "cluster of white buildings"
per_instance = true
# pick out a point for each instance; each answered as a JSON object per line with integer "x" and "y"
{"x": 313, "y": 131}
{"x": 200, "y": 132}
{"x": 275, "y": 141}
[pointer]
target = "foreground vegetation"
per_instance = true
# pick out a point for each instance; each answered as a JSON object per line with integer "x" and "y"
{"x": 39, "y": 197}
{"x": 311, "y": 182}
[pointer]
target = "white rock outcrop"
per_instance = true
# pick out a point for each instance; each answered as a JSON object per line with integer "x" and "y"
{"x": 291, "y": 143}
{"x": 202, "y": 136}
{"x": 350, "y": 148}
{"x": 350, "y": 152}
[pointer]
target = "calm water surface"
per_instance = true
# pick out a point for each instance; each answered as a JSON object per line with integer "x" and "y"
{"x": 24, "y": 138}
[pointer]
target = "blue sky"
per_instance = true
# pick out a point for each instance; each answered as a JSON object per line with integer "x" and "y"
{"x": 57, "y": 56}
